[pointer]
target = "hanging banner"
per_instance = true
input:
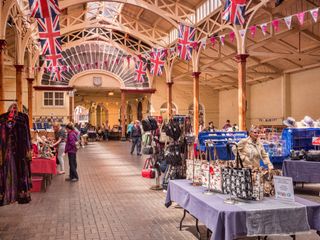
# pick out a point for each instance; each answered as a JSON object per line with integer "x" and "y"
{"x": 314, "y": 13}
{"x": 232, "y": 36}
{"x": 222, "y": 39}
{"x": 275, "y": 24}
{"x": 263, "y": 27}
{"x": 253, "y": 30}
{"x": 288, "y": 21}
{"x": 300, "y": 17}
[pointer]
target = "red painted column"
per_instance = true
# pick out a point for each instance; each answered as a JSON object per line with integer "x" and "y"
{"x": 123, "y": 115}
{"x": 196, "y": 83}
{"x": 30, "y": 106}
{"x": 169, "y": 99}
{"x": 2, "y": 47}
{"x": 19, "y": 69}
{"x": 242, "y": 96}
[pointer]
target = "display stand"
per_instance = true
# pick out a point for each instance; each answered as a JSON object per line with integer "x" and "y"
{"x": 208, "y": 153}
{"x": 157, "y": 186}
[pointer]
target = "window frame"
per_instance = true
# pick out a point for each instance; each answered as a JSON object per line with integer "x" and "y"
{"x": 54, "y": 98}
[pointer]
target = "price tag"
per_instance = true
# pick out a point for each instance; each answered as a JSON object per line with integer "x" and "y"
{"x": 316, "y": 141}
{"x": 284, "y": 188}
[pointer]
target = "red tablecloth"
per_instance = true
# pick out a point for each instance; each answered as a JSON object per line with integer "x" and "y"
{"x": 43, "y": 165}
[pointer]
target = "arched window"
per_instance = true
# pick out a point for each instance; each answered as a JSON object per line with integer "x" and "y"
{"x": 201, "y": 113}
{"x": 139, "y": 111}
{"x": 164, "y": 109}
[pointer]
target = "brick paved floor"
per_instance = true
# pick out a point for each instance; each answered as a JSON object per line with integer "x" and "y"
{"x": 111, "y": 201}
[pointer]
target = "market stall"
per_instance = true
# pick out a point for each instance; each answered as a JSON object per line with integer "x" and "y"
{"x": 249, "y": 218}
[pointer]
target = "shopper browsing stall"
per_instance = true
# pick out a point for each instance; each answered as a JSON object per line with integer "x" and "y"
{"x": 71, "y": 150}
{"x": 252, "y": 151}
{"x": 60, "y": 144}
{"x": 136, "y": 137}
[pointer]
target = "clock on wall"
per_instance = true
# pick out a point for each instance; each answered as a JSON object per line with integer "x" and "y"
{"x": 97, "y": 81}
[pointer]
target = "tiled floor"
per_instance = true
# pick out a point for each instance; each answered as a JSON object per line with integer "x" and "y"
{"x": 111, "y": 201}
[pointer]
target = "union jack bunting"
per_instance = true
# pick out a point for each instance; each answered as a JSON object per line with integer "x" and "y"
{"x": 44, "y": 8}
{"x": 185, "y": 40}
{"x": 52, "y": 63}
{"x": 49, "y": 33}
{"x": 234, "y": 11}
{"x": 157, "y": 62}
{"x": 140, "y": 72}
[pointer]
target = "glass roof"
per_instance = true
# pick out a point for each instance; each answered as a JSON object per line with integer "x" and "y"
{"x": 109, "y": 10}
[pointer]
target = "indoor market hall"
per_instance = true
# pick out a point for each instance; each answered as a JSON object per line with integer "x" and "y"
{"x": 159, "y": 119}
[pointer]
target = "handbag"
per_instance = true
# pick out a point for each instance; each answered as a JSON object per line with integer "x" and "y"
{"x": 313, "y": 155}
{"x": 237, "y": 181}
{"x": 148, "y": 171}
{"x": 297, "y": 155}
{"x": 216, "y": 181}
{"x": 147, "y": 150}
{"x": 268, "y": 175}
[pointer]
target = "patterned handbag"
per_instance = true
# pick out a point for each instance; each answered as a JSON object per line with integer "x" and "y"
{"x": 237, "y": 181}
{"x": 216, "y": 173}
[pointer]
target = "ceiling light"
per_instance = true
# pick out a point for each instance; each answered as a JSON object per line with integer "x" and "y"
{"x": 111, "y": 93}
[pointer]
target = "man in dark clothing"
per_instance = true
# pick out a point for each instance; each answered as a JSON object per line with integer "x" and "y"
{"x": 136, "y": 137}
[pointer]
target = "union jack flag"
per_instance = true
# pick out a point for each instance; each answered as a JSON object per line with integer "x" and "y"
{"x": 44, "y": 8}
{"x": 234, "y": 11}
{"x": 185, "y": 39}
{"x": 157, "y": 62}
{"x": 140, "y": 71}
{"x": 49, "y": 33}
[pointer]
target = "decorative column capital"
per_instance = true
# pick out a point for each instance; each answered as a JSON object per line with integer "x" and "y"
{"x": 169, "y": 83}
{"x": 19, "y": 67}
{"x": 196, "y": 74}
{"x": 241, "y": 57}
{"x": 30, "y": 80}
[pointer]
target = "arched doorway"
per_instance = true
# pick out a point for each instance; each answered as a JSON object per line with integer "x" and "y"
{"x": 164, "y": 110}
{"x": 81, "y": 114}
{"x": 139, "y": 111}
{"x": 129, "y": 114}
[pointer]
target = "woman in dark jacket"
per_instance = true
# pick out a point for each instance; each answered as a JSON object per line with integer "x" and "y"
{"x": 71, "y": 149}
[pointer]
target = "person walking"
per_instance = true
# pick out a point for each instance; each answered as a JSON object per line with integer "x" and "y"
{"x": 71, "y": 150}
{"x": 136, "y": 137}
{"x": 59, "y": 144}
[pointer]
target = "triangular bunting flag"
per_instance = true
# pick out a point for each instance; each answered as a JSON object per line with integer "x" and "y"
{"x": 264, "y": 28}
{"x": 253, "y": 30}
{"x": 213, "y": 40}
{"x": 300, "y": 17}
{"x": 275, "y": 24}
{"x": 222, "y": 39}
{"x": 232, "y": 36}
{"x": 203, "y": 42}
{"x": 288, "y": 21}
{"x": 314, "y": 13}
{"x": 242, "y": 33}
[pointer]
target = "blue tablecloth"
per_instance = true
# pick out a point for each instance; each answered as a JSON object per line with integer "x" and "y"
{"x": 230, "y": 221}
{"x": 301, "y": 170}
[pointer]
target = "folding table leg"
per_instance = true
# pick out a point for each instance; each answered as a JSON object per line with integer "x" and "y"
{"x": 184, "y": 215}
{"x": 208, "y": 233}
{"x": 198, "y": 231}
{"x": 293, "y": 237}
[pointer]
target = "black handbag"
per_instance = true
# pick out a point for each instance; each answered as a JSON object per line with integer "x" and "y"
{"x": 313, "y": 155}
{"x": 146, "y": 125}
{"x": 153, "y": 123}
{"x": 237, "y": 181}
{"x": 297, "y": 155}
{"x": 147, "y": 150}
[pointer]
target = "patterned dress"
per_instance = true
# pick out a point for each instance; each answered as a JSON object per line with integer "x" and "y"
{"x": 15, "y": 157}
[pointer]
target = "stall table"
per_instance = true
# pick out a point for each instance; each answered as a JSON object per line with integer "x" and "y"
{"x": 254, "y": 218}
{"x": 44, "y": 167}
{"x": 302, "y": 171}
